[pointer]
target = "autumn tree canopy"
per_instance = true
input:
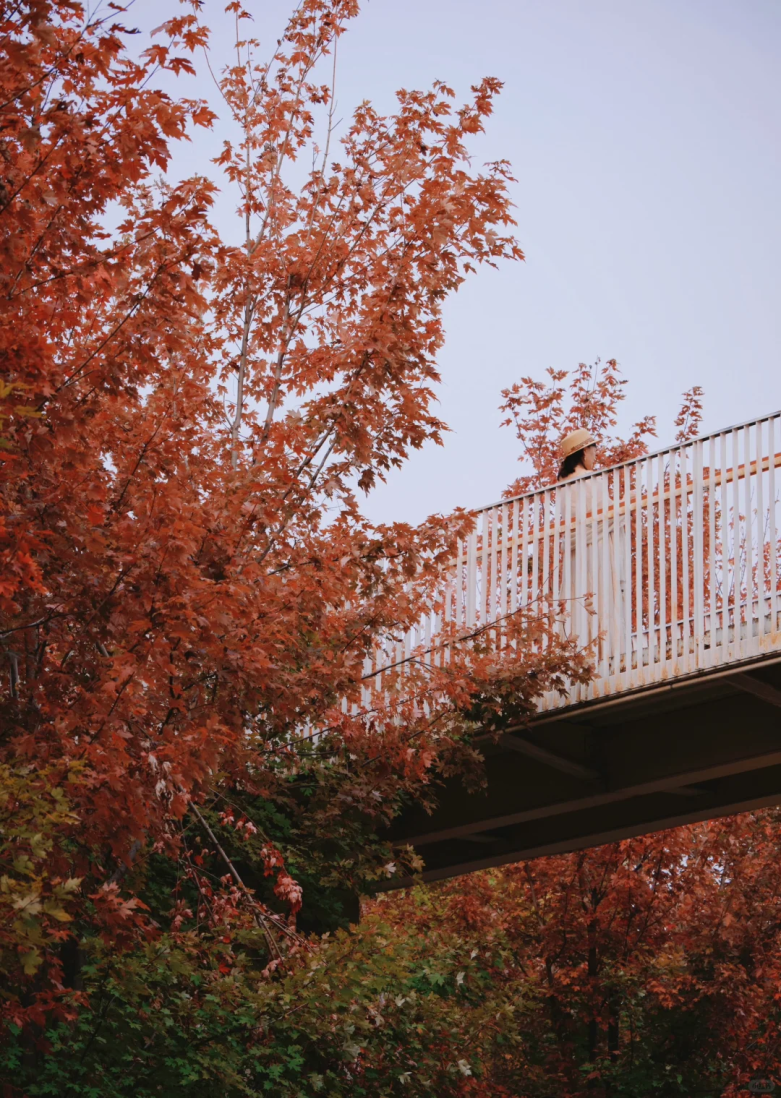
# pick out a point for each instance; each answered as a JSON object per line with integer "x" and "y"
{"x": 194, "y": 769}
{"x": 649, "y": 966}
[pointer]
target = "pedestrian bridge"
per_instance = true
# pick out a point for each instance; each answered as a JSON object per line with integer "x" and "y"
{"x": 667, "y": 569}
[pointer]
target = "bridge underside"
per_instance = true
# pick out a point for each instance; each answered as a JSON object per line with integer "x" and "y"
{"x": 688, "y": 751}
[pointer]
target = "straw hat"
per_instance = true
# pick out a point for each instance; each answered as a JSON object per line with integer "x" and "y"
{"x": 576, "y": 440}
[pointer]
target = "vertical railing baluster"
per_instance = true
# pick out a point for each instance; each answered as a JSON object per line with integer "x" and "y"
{"x": 504, "y": 511}
{"x": 525, "y": 555}
{"x": 591, "y": 493}
{"x": 674, "y": 477}
{"x": 662, "y": 543}
{"x": 471, "y": 578}
{"x": 711, "y": 485}
{"x": 749, "y": 539}
{"x": 458, "y": 585}
{"x": 614, "y": 594}
{"x": 725, "y": 528}
{"x": 515, "y": 527}
{"x": 737, "y": 549}
{"x": 649, "y": 509}
{"x": 685, "y": 589}
{"x": 772, "y": 524}
{"x": 760, "y": 533}
{"x": 386, "y": 661}
{"x": 436, "y": 638}
{"x": 581, "y": 574}
{"x": 627, "y": 579}
{"x": 698, "y": 571}
{"x": 569, "y": 546}
{"x": 485, "y": 559}
{"x": 496, "y": 557}
{"x": 639, "y": 587}
{"x": 605, "y": 564}
{"x": 535, "y": 548}
{"x": 556, "y": 581}
{"x": 545, "y": 548}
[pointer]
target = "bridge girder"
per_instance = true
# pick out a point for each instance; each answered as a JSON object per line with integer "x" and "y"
{"x": 690, "y": 750}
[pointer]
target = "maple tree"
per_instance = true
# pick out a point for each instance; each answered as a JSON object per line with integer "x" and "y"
{"x": 649, "y": 966}
{"x": 197, "y": 760}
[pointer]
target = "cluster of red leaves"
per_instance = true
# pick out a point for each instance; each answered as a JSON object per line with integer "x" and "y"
{"x": 632, "y": 964}
{"x": 543, "y": 412}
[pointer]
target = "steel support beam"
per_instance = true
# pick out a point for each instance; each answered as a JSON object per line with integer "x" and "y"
{"x": 549, "y": 758}
{"x": 756, "y": 687}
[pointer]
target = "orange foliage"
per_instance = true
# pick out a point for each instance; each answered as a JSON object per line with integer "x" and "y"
{"x": 186, "y": 581}
{"x": 646, "y": 966}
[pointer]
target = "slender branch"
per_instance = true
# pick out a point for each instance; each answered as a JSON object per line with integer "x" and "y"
{"x": 29, "y": 625}
{"x": 261, "y": 917}
{"x": 128, "y": 315}
{"x": 15, "y": 194}
{"x": 54, "y": 68}
{"x": 275, "y": 391}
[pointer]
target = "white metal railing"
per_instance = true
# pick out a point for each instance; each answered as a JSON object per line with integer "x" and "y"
{"x": 665, "y": 566}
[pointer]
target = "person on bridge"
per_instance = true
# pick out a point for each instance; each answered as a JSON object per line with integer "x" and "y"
{"x": 579, "y": 453}
{"x": 590, "y": 575}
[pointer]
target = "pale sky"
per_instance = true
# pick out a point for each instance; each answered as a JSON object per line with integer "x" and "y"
{"x": 645, "y": 139}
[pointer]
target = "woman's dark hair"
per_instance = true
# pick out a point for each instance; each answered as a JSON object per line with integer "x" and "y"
{"x": 571, "y": 463}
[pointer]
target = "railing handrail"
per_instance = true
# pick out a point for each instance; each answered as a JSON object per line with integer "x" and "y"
{"x": 658, "y": 572}
{"x": 627, "y": 507}
{"x": 675, "y": 448}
